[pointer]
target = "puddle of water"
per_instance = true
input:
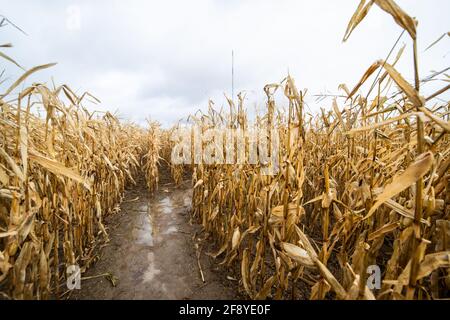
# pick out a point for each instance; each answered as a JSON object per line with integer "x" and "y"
{"x": 142, "y": 230}
{"x": 166, "y": 205}
{"x": 143, "y": 207}
{"x": 187, "y": 201}
{"x": 151, "y": 271}
{"x": 171, "y": 229}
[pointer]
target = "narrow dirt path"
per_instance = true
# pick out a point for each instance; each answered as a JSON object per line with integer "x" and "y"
{"x": 151, "y": 251}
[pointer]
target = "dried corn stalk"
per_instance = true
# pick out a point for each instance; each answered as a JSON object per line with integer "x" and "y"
{"x": 366, "y": 183}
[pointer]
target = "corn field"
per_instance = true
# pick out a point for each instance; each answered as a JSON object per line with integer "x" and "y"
{"x": 363, "y": 183}
{"x": 345, "y": 196}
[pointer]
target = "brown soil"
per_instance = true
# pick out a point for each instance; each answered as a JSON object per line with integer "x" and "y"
{"x": 151, "y": 252}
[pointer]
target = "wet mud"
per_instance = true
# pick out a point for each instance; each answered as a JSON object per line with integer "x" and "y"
{"x": 151, "y": 253}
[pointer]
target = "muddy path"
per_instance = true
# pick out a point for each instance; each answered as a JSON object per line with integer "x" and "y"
{"x": 151, "y": 253}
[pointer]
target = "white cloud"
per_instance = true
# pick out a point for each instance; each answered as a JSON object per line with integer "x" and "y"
{"x": 165, "y": 59}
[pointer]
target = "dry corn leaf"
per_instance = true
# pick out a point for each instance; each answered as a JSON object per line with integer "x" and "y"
{"x": 198, "y": 183}
{"x": 17, "y": 171}
{"x": 365, "y": 76}
{"x": 389, "y": 227}
{"x": 244, "y": 272}
{"x": 399, "y": 183}
{"x": 357, "y": 17}
{"x": 24, "y": 76}
{"x": 410, "y": 92}
{"x": 400, "y": 16}
{"x": 4, "y": 177}
{"x": 235, "y": 239}
{"x": 265, "y": 290}
{"x": 59, "y": 169}
{"x": 23, "y": 136}
{"x": 4, "y": 56}
{"x": 432, "y": 262}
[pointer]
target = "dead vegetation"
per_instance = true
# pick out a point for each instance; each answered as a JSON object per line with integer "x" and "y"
{"x": 151, "y": 159}
{"x": 60, "y": 175}
{"x": 366, "y": 183}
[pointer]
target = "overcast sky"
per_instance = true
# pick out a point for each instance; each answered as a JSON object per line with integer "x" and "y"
{"x": 165, "y": 59}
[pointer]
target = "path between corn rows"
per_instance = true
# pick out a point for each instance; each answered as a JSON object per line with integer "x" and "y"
{"x": 151, "y": 251}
